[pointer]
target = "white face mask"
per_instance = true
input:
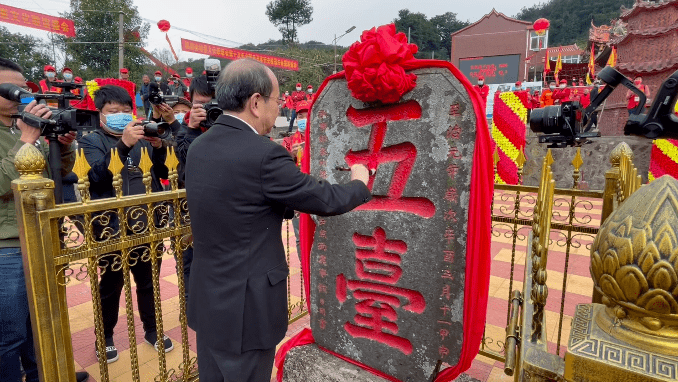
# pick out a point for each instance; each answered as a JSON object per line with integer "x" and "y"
{"x": 189, "y": 75}
{"x": 563, "y": 86}
{"x": 552, "y": 87}
{"x": 481, "y": 83}
{"x": 68, "y": 76}
{"x": 158, "y": 79}
{"x": 298, "y": 88}
{"x": 310, "y": 91}
{"x": 287, "y": 93}
{"x": 49, "y": 75}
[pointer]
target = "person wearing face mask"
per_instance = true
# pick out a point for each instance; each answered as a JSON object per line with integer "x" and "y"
{"x": 309, "y": 96}
{"x": 633, "y": 99}
{"x": 187, "y": 81}
{"x": 162, "y": 85}
{"x": 120, "y": 130}
{"x": 297, "y": 96}
{"x": 482, "y": 89}
{"x": 178, "y": 87}
{"x": 289, "y": 104}
{"x": 562, "y": 94}
{"x": 50, "y": 77}
{"x": 547, "y": 95}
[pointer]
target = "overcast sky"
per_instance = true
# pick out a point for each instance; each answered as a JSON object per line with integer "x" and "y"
{"x": 245, "y": 21}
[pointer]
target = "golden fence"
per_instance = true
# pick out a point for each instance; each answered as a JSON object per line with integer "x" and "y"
{"x": 82, "y": 241}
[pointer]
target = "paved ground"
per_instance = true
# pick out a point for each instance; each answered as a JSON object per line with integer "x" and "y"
{"x": 579, "y": 287}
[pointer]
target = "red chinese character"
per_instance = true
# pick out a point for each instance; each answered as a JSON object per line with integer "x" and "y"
{"x": 450, "y": 215}
{"x": 322, "y": 163}
{"x": 323, "y": 126}
{"x": 323, "y": 152}
{"x": 447, "y": 274}
{"x": 322, "y": 221}
{"x": 321, "y": 311}
{"x": 322, "y": 114}
{"x": 454, "y": 153}
{"x": 322, "y": 323}
{"x": 381, "y": 262}
{"x": 376, "y": 315}
{"x": 404, "y": 154}
{"x": 445, "y": 309}
{"x": 444, "y": 333}
{"x": 449, "y": 256}
{"x": 322, "y": 139}
{"x": 323, "y": 234}
{"x": 446, "y": 292}
{"x": 322, "y": 272}
{"x": 451, "y": 195}
{"x": 322, "y": 259}
{"x": 322, "y": 288}
{"x": 452, "y": 170}
{"x": 443, "y": 351}
{"x": 454, "y": 132}
{"x": 454, "y": 110}
{"x": 322, "y": 247}
{"x": 322, "y": 301}
{"x": 449, "y": 235}
{"x": 322, "y": 174}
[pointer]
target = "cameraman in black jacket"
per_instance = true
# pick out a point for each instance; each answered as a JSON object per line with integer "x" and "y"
{"x": 121, "y": 131}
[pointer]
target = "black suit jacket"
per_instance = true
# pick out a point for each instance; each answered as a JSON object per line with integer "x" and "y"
{"x": 238, "y": 186}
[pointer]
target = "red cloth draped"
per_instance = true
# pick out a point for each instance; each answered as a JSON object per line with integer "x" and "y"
{"x": 478, "y": 238}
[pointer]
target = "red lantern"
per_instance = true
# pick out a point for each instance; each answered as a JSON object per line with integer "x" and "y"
{"x": 163, "y": 25}
{"x": 541, "y": 26}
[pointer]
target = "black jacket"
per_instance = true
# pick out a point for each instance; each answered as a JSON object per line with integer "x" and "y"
{"x": 238, "y": 186}
{"x": 184, "y": 138}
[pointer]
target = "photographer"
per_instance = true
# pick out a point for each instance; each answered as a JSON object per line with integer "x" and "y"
{"x": 173, "y": 115}
{"x": 16, "y": 335}
{"x": 121, "y": 131}
{"x": 177, "y": 86}
{"x": 162, "y": 84}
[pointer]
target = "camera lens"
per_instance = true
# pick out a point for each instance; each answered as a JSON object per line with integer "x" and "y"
{"x": 546, "y": 120}
{"x": 160, "y": 130}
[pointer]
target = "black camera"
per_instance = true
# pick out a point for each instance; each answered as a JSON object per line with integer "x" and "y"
{"x": 64, "y": 119}
{"x": 212, "y": 70}
{"x": 156, "y": 97}
{"x": 156, "y": 129}
{"x": 562, "y": 125}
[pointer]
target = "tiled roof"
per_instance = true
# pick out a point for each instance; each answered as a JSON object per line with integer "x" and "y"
{"x": 649, "y": 66}
{"x": 643, "y": 6}
{"x": 645, "y": 33}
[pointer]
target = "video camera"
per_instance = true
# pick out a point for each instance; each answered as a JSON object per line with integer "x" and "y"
{"x": 156, "y": 97}
{"x": 64, "y": 119}
{"x": 212, "y": 70}
{"x": 571, "y": 125}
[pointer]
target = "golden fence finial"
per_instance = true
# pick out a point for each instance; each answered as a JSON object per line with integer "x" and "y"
{"x": 30, "y": 162}
{"x": 520, "y": 160}
{"x": 495, "y": 157}
{"x": 172, "y": 163}
{"x": 115, "y": 167}
{"x": 577, "y": 162}
{"x": 549, "y": 158}
{"x": 145, "y": 165}
{"x": 81, "y": 169}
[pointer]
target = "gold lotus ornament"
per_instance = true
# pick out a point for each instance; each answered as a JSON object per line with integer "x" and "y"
{"x": 634, "y": 264}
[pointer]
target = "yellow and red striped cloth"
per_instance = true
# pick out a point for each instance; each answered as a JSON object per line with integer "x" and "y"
{"x": 664, "y": 159}
{"x": 509, "y": 121}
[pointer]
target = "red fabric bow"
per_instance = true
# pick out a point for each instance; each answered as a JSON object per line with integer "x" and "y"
{"x": 374, "y": 66}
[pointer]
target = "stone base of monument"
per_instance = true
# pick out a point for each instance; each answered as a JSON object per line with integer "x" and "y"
{"x": 309, "y": 363}
{"x": 596, "y": 157}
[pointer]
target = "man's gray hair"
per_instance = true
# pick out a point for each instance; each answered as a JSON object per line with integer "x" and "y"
{"x": 239, "y": 81}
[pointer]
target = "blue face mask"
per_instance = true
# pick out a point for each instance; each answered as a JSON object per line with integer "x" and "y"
{"x": 301, "y": 124}
{"x": 117, "y": 122}
{"x": 180, "y": 116}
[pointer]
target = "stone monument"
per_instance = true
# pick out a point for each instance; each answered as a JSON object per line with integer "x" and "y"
{"x": 389, "y": 283}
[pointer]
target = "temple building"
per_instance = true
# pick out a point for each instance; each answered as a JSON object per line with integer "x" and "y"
{"x": 649, "y": 49}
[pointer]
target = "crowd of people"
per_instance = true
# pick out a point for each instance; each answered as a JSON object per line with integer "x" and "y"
{"x": 251, "y": 100}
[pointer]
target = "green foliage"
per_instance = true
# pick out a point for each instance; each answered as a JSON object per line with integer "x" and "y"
{"x": 288, "y": 14}
{"x": 29, "y": 52}
{"x": 431, "y": 36}
{"x": 101, "y": 60}
{"x": 571, "y": 19}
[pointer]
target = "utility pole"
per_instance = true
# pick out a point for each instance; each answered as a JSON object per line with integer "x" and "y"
{"x": 408, "y": 34}
{"x": 335, "y": 53}
{"x": 121, "y": 49}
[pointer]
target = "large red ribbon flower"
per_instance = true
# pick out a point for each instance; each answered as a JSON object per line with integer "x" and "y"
{"x": 374, "y": 66}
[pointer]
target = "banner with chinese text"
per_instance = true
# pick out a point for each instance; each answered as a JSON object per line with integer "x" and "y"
{"x": 36, "y": 20}
{"x": 234, "y": 54}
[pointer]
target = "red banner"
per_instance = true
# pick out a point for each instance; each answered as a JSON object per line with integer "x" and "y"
{"x": 234, "y": 54}
{"x": 36, "y": 20}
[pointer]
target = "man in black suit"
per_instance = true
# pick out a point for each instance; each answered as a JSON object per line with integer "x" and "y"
{"x": 239, "y": 186}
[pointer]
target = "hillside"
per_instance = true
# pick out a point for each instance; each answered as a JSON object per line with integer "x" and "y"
{"x": 571, "y": 19}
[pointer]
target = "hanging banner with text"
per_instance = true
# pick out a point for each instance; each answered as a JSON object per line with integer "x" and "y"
{"x": 234, "y": 54}
{"x": 36, "y": 20}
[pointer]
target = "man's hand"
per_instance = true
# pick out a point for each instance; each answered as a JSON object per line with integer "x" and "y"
{"x": 30, "y": 134}
{"x": 165, "y": 111}
{"x": 198, "y": 114}
{"x": 360, "y": 172}
{"x": 132, "y": 133}
{"x": 155, "y": 141}
{"x": 67, "y": 139}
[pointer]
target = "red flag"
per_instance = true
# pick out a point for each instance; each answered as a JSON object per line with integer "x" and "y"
{"x": 36, "y": 20}
{"x": 592, "y": 63}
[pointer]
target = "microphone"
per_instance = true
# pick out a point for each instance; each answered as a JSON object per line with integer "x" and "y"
{"x": 14, "y": 93}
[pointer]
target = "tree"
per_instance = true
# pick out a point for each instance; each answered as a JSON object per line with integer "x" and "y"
{"x": 29, "y": 52}
{"x": 431, "y": 36}
{"x": 165, "y": 56}
{"x": 94, "y": 51}
{"x": 288, "y": 14}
